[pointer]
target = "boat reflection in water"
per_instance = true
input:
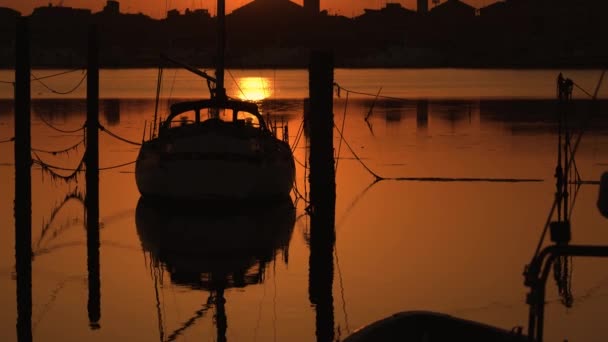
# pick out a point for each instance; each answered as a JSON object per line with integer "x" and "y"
{"x": 214, "y": 249}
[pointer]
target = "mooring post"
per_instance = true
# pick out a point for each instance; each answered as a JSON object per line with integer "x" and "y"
{"x": 92, "y": 179}
{"x": 23, "y": 182}
{"x": 322, "y": 192}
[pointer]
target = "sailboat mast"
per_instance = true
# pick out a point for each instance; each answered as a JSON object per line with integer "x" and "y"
{"x": 221, "y": 48}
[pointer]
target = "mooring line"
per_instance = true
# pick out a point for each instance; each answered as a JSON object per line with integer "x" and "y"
{"x": 71, "y": 90}
{"x": 65, "y": 150}
{"x": 377, "y": 95}
{"x": 116, "y": 136}
{"x": 59, "y": 129}
{"x": 465, "y": 179}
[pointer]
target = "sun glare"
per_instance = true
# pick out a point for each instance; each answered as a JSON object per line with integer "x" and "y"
{"x": 254, "y": 88}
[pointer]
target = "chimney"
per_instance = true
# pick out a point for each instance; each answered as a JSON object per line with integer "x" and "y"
{"x": 312, "y": 6}
{"x": 423, "y": 6}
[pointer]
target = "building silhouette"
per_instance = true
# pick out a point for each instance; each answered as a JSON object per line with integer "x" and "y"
{"x": 280, "y": 33}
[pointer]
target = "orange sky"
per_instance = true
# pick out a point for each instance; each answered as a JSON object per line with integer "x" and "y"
{"x": 157, "y": 8}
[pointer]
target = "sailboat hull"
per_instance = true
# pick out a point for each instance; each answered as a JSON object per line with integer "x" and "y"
{"x": 223, "y": 171}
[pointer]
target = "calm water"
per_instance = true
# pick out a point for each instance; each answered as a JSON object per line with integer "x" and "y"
{"x": 457, "y": 248}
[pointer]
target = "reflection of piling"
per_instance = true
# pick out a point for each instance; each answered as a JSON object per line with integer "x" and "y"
{"x": 23, "y": 183}
{"x": 92, "y": 181}
{"x": 221, "y": 321}
{"x": 322, "y": 193}
{"x": 111, "y": 111}
{"x": 422, "y": 114}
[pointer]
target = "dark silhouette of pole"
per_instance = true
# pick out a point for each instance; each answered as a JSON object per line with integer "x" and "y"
{"x": 92, "y": 180}
{"x": 322, "y": 193}
{"x": 221, "y": 321}
{"x": 221, "y": 48}
{"x": 23, "y": 183}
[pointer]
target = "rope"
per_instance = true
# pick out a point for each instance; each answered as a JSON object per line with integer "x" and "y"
{"x": 116, "y": 166}
{"x": 73, "y": 195}
{"x": 583, "y": 90}
{"x": 66, "y": 150}
{"x": 58, "y": 129}
{"x": 118, "y": 137}
{"x": 298, "y": 136}
{"x": 58, "y": 74}
{"x": 8, "y": 140}
{"x": 7, "y": 82}
{"x": 54, "y": 175}
{"x": 237, "y": 84}
{"x": 343, "y": 123}
{"x": 356, "y": 156}
{"x": 57, "y": 91}
{"x": 371, "y": 108}
{"x": 377, "y": 95}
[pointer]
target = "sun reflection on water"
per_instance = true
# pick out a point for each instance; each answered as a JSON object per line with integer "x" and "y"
{"x": 254, "y": 88}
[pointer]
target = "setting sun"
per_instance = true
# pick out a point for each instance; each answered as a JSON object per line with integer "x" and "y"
{"x": 254, "y": 88}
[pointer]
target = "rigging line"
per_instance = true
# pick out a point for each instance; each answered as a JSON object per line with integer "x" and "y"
{"x": 354, "y": 203}
{"x": 49, "y": 168}
{"x": 299, "y": 194}
{"x": 73, "y": 147}
{"x": 43, "y": 164}
{"x": 75, "y": 194}
{"x": 8, "y": 140}
{"x": 237, "y": 84}
{"x": 583, "y": 90}
{"x": 57, "y": 91}
{"x": 257, "y": 323}
{"x": 58, "y": 74}
{"x": 117, "y": 166}
{"x": 8, "y": 82}
{"x": 465, "y": 179}
{"x": 371, "y": 108}
{"x": 298, "y": 135}
{"x": 197, "y": 314}
{"x": 576, "y": 190}
{"x": 103, "y": 129}
{"x": 580, "y": 136}
{"x": 370, "y": 94}
{"x": 299, "y": 162}
{"x": 59, "y": 129}
{"x": 161, "y": 325}
{"x": 158, "y": 90}
{"x": 53, "y": 297}
{"x": 343, "y": 123}
{"x": 356, "y": 156}
{"x": 274, "y": 299}
{"x": 341, "y": 289}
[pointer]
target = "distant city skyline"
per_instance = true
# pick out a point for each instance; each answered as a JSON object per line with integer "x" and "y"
{"x": 158, "y": 8}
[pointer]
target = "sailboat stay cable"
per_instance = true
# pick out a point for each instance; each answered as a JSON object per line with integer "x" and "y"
{"x": 158, "y": 89}
{"x": 237, "y": 85}
{"x": 343, "y": 124}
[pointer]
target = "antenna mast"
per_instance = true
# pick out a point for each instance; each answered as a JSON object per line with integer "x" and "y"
{"x": 220, "y": 91}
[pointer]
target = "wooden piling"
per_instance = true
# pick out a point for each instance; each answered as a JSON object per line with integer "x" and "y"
{"x": 23, "y": 182}
{"x": 321, "y": 123}
{"x": 322, "y": 192}
{"x": 92, "y": 180}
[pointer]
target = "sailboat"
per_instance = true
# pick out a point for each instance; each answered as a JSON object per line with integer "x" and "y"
{"x": 215, "y": 148}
